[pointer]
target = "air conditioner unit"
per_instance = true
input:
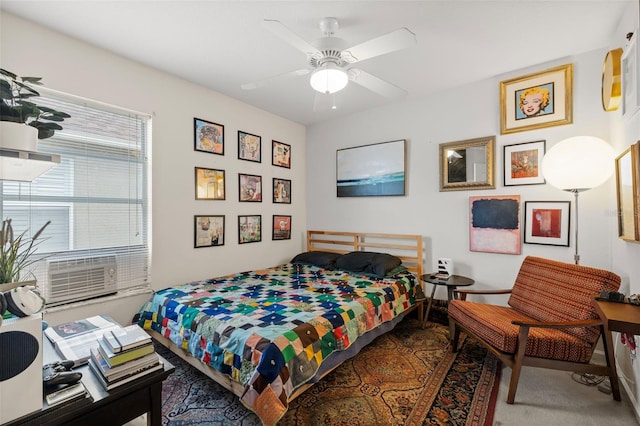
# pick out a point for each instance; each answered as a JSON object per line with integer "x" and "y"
{"x": 79, "y": 279}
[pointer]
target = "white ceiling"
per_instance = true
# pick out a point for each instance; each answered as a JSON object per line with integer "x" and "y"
{"x": 222, "y": 44}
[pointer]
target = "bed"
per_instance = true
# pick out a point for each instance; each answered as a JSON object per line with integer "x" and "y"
{"x": 267, "y": 335}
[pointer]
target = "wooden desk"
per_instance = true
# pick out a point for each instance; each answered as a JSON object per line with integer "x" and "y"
{"x": 621, "y": 317}
{"x": 104, "y": 408}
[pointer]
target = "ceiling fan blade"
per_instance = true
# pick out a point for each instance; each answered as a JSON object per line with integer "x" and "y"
{"x": 290, "y": 37}
{"x": 396, "y": 40}
{"x": 375, "y": 84}
{"x": 268, "y": 80}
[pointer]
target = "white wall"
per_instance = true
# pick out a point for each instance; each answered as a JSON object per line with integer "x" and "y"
{"x": 74, "y": 67}
{"x": 443, "y": 217}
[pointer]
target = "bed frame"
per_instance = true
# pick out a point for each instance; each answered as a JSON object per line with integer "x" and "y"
{"x": 409, "y": 248}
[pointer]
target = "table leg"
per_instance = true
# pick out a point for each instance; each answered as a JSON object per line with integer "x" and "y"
{"x": 607, "y": 340}
{"x": 451, "y": 292}
{"x": 154, "y": 416}
{"x": 426, "y": 315}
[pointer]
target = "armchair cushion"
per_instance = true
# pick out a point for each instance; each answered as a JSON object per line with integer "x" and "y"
{"x": 492, "y": 323}
{"x": 548, "y": 290}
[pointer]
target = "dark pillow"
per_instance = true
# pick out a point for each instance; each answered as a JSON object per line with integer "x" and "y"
{"x": 321, "y": 259}
{"x": 367, "y": 262}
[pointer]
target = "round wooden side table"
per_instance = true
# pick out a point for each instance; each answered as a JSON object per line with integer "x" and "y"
{"x": 452, "y": 283}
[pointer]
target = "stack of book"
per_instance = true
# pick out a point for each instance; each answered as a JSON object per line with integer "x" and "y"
{"x": 123, "y": 355}
{"x": 74, "y": 339}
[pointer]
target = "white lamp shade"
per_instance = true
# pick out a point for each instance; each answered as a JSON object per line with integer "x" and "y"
{"x": 578, "y": 163}
{"x": 329, "y": 79}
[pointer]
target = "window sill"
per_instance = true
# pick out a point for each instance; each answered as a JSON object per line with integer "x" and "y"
{"x": 99, "y": 300}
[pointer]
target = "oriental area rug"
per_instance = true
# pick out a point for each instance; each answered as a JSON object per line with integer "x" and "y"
{"x": 404, "y": 377}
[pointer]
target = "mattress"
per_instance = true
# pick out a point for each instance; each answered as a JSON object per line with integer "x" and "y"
{"x": 271, "y": 330}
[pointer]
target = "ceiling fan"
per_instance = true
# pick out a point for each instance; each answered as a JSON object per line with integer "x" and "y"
{"x": 329, "y": 59}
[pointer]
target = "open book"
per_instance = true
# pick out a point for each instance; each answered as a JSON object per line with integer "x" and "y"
{"x": 74, "y": 340}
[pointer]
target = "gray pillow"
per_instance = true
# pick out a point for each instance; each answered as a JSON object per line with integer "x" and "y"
{"x": 368, "y": 262}
{"x": 321, "y": 259}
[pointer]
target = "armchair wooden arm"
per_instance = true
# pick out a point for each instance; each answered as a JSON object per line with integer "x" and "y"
{"x": 558, "y": 325}
{"x": 462, "y": 293}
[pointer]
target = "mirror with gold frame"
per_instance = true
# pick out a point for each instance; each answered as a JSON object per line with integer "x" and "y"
{"x": 467, "y": 164}
{"x": 628, "y": 193}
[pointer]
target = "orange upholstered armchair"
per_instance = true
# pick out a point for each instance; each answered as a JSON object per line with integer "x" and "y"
{"x": 550, "y": 321}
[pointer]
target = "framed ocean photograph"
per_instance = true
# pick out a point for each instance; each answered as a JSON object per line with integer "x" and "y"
{"x": 371, "y": 170}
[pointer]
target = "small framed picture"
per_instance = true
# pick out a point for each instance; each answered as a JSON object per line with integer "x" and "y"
{"x": 281, "y": 227}
{"x": 209, "y": 184}
{"x": 547, "y": 222}
{"x": 208, "y": 231}
{"x": 280, "y": 154}
{"x": 537, "y": 100}
{"x": 249, "y": 229}
{"x": 249, "y": 188}
{"x": 281, "y": 191}
{"x": 522, "y": 163}
{"x": 249, "y": 147}
{"x": 208, "y": 136}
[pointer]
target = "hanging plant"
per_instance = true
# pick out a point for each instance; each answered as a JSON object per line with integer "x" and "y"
{"x": 16, "y": 106}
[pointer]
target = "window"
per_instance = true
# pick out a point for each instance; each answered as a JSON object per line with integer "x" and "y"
{"x": 96, "y": 199}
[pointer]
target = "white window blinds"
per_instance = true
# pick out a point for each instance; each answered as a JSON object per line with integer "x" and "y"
{"x": 96, "y": 199}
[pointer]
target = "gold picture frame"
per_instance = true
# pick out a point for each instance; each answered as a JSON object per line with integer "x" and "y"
{"x": 628, "y": 193}
{"x": 537, "y": 100}
{"x": 467, "y": 164}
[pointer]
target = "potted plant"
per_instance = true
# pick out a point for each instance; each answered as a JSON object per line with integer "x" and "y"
{"x": 16, "y": 254}
{"x": 16, "y": 106}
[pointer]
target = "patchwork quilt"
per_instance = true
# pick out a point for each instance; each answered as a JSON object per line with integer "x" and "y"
{"x": 271, "y": 329}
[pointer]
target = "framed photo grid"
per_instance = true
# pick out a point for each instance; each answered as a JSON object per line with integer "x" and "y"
{"x": 281, "y": 227}
{"x": 249, "y": 229}
{"x": 522, "y": 163}
{"x": 281, "y": 191}
{"x": 249, "y": 147}
{"x": 547, "y": 222}
{"x": 280, "y": 154}
{"x": 537, "y": 100}
{"x": 208, "y": 136}
{"x": 249, "y": 188}
{"x": 210, "y": 184}
{"x": 208, "y": 231}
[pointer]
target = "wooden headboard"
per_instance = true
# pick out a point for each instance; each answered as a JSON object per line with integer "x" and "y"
{"x": 407, "y": 247}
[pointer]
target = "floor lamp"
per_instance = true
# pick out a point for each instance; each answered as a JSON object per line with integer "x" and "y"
{"x": 578, "y": 164}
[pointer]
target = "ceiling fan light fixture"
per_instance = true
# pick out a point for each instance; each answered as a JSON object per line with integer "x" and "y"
{"x": 329, "y": 79}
